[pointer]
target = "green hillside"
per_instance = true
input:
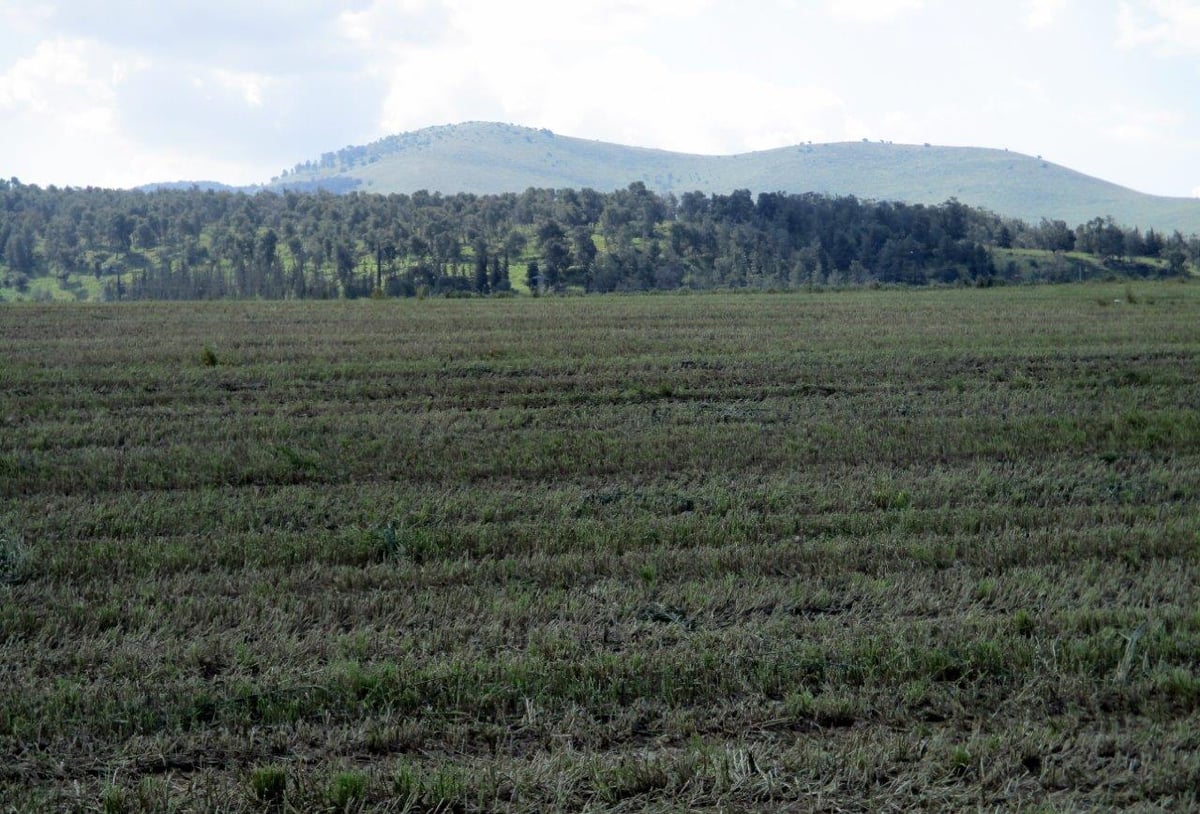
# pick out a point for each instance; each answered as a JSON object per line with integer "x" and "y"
{"x": 484, "y": 157}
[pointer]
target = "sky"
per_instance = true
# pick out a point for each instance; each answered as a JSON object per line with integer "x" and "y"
{"x": 124, "y": 92}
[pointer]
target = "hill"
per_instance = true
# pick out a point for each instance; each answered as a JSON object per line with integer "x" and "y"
{"x": 484, "y": 157}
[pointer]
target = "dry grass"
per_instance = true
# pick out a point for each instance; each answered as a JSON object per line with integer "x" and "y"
{"x": 858, "y": 551}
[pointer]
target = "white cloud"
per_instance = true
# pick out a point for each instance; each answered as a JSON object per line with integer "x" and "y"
{"x": 25, "y": 17}
{"x": 62, "y": 102}
{"x": 1128, "y": 124}
{"x": 1043, "y": 13}
{"x": 1196, "y": 192}
{"x": 583, "y": 69}
{"x": 1167, "y": 26}
{"x": 248, "y": 85}
{"x": 60, "y": 77}
{"x": 872, "y": 11}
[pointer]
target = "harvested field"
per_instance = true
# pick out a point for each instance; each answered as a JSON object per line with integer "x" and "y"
{"x": 864, "y": 550}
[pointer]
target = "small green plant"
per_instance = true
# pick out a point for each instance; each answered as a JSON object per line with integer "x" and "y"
{"x": 444, "y": 789}
{"x": 269, "y": 784}
{"x": 388, "y": 542}
{"x": 394, "y": 542}
{"x": 407, "y": 783}
{"x": 208, "y": 357}
{"x": 1023, "y": 622}
{"x": 1130, "y": 297}
{"x": 347, "y": 788}
{"x": 799, "y": 704}
{"x": 113, "y": 800}
{"x": 985, "y": 589}
{"x": 649, "y": 574}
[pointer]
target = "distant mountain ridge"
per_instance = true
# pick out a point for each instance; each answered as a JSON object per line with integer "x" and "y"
{"x": 487, "y": 157}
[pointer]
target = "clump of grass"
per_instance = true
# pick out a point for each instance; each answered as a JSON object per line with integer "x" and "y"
{"x": 388, "y": 542}
{"x": 208, "y": 357}
{"x": 113, "y": 800}
{"x": 268, "y": 784}
{"x": 1130, "y": 297}
{"x": 16, "y": 562}
{"x": 346, "y": 789}
{"x": 441, "y": 789}
{"x": 960, "y": 759}
{"x": 414, "y": 543}
{"x": 407, "y": 783}
{"x": 1023, "y": 622}
{"x": 1180, "y": 685}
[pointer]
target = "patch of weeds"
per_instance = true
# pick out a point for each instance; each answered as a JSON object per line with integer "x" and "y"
{"x": 444, "y": 789}
{"x": 917, "y": 693}
{"x": 407, "y": 783}
{"x": 1023, "y": 622}
{"x": 649, "y": 574}
{"x": 985, "y": 589}
{"x": 836, "y": 709}
{"x": 367, "y": 683}
{"x": 799, "y": 704}
{"x": 831, "y": 709}
{"x": 440, "y": 790}
{"x": 16, "y": 561}
{"x": 347, "y": 789}
{"x": 960, "y": 759}
{"x": 114, "y": 800}
{"x": 1130, "y": 297}
{"x": 665, "y": 614}
{"x": 153, "y": 794}
{"x": 1180, "y": 685}
{"x": 298, "y": 460}
{"x": 268, "y": 784}
{"x": 888, "y": 497}
{"x": 208, "y": 357}
{"x": 394, "y": 542}
{"x": 633, "y": 778}
{"x": 938, "y": 555}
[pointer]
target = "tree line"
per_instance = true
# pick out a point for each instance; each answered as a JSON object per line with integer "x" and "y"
{"x": 199, "y": 244}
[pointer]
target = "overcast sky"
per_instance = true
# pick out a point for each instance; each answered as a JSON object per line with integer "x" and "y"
{"x": 124, "y": 92}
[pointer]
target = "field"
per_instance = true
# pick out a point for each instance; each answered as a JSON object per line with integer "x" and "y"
{"x": 836, "y": 551}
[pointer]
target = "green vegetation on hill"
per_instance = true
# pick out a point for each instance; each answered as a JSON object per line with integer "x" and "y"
{"x": 488, "y": 158}
{"x": 846, "y": 551}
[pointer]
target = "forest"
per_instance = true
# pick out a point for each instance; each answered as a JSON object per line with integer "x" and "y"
{"x": 208, "y": 244}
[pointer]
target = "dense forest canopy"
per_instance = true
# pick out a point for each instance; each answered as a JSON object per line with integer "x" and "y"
{"x": 193, "y": 243}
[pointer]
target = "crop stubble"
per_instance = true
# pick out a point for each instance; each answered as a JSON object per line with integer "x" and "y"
{"x": 828, "y": 551}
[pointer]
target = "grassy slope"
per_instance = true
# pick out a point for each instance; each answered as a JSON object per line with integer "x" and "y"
{"x": 846, "y": 550}
{"x": 490, "y": 158}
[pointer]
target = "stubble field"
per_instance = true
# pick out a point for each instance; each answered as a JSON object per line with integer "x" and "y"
{"x": 832, "y": 551}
